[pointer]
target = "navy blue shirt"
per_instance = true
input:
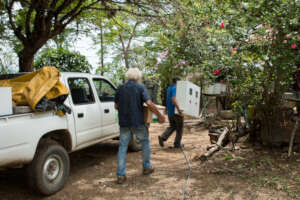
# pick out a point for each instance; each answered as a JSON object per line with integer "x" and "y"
{"x": 130, "y": 98}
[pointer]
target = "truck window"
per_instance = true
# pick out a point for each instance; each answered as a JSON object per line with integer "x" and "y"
{"x": 106, "y": 92}
{"x": 81, "y": 91}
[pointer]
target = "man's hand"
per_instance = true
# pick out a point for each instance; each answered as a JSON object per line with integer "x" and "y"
{"x": 180, "y": 111}
{"x": 161, "y": 119}
{"x": 174, "y": 101}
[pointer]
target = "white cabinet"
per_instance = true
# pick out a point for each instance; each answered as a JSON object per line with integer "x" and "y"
{"x": 188, "y": 97}
{"x": 5, "y": 101}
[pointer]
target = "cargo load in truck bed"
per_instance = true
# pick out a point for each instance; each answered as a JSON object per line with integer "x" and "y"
{"x": 36, "y": 89}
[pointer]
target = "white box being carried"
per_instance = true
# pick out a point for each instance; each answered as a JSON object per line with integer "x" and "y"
{"x": 5, "y": 101}
{"x": 188, "y": 97}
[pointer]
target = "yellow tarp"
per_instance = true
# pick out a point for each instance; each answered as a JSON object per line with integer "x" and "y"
{"x": 29, "y": 89}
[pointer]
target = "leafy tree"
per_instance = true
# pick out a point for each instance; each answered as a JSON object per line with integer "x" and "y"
{"x": 255, "y": 44}
{"x": 64, "y": 60}
{"x": 35, "y": 22}
{"x": 120, "y": 34}
{"x": 263, "y": 55}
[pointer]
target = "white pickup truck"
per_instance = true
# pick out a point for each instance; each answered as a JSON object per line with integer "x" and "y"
{"x": 41, "y": 141}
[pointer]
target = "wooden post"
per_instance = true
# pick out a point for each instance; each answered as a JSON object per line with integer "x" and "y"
{"x": 293, "y": 137}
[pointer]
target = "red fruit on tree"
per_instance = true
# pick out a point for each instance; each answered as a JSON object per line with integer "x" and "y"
{"x": 216, "y": 72}
{"x": 232, "y": 50}
{"x": 293, "y": 46}
{"x": 222, "y": 25}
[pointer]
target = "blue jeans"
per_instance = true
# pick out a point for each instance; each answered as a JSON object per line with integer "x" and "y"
{"x": 125, "y": 137}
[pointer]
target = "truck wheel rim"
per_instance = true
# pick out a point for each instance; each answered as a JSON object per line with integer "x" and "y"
{"x": 52, "y": 168}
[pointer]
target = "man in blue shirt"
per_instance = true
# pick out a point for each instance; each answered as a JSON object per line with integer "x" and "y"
{"x": 175, "y": 120}
{"x": 129, "y": 100}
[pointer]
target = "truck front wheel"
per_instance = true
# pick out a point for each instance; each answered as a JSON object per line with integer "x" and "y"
{"x": 49, "y": 169}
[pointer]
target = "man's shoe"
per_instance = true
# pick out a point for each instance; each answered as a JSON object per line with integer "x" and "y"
{"x": 147, "y": 171}
{"x": 178, "y": 146}
{"x": 160, "y": 141}
{"x": 121, "y": 179}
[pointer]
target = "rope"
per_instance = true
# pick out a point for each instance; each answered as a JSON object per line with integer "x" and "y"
{"x": 189, "y": 174}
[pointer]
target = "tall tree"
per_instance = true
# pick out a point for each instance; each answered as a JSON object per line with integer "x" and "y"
{"x": 126, "y": 47}
{"x": 34, "y": 22}
{"x": 119, "y": 33}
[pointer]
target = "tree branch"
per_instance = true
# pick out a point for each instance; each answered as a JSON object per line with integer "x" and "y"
{"x": 122, "y": 42}
{"x": 72, "y": 12}
{"x": 53, "y": 4}
{"x": 132, "y": 35}
{"x": 17, "y": 30}
{"x": 126, "y": 11}
{"x": 28, "y": 19}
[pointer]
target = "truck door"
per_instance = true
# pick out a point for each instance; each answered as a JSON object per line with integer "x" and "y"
{"x": 106, "y": 93}
{"x": 85, "y": 110}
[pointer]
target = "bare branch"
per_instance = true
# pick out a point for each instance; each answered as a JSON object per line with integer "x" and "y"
{"x": 24, "y": 2}
{"x": 132, "y": 34}
{"x": 53, "y": 4}
{"x": 72, "y": 12}
{"x": 126, "y": 11}
{"x": 69, "y": 17}
{"x": 28, "y": 19}
{"x": 17, "y": 30}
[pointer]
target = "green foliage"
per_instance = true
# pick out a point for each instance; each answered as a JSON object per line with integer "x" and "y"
{"x": 64, "y": 60}
{"x": 257, "y": 52}
{"x": 35, "y": 22}
{"x": 7, "y": 59}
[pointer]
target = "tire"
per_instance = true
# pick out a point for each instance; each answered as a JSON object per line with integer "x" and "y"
{"x": 134, "y": 145}
{"x": 49, "y": 169}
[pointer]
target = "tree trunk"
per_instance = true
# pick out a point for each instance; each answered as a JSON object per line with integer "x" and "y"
{"x": 125, "y": 51}
{"x": 102, "y": 50}
{"x": 293, "y": 137}
{"x": 26, "y": 60}
{"x": 126, "y": 59}
{"x": 2, "y": 67}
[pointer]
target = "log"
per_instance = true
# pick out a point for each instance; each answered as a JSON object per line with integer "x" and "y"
{"x": 192, "y": 123}
{"x": 293, "y": 137}
{"x": 192, "y": 120}
{"x": 216, "y": 147}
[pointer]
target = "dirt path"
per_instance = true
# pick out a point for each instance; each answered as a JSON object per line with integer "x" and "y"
{"x": 246, "y": 174}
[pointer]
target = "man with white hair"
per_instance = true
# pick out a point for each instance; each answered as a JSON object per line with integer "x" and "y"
{"x": 129, "y": 101}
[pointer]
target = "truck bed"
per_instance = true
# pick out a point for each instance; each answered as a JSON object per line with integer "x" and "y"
{"x": 20, "y": 133}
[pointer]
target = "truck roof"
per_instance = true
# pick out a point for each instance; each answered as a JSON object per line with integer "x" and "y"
{"x": 80, "y": 74}
{"x": 14, "y": 75}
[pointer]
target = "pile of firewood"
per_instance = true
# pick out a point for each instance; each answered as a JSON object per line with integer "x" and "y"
{"x": 221, "y": 133}
{"x": 222, "y": 139}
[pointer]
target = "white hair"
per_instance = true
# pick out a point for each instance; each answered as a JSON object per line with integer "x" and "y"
{"x": 133, "y": 74}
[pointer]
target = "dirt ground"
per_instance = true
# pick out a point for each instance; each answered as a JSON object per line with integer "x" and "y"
{"x": 247, "y": 173}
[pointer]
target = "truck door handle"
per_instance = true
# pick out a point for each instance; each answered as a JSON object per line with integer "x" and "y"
{"x": 106, "y": 110}
{"x": 80, "y": 115}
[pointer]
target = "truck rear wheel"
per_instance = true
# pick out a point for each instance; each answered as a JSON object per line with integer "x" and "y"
{"x": 49, "y": 169}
